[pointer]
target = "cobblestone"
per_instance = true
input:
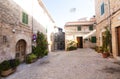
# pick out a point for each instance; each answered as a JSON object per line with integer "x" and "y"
{"x": 78, "y": 64}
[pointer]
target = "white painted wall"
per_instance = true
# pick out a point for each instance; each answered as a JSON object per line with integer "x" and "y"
{"x": 41, "y": 20}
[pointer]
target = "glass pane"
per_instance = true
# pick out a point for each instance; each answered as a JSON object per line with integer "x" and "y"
{"x": 79, "y": 28}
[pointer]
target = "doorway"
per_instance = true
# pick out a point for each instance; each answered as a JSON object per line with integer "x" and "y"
{"x": 118, "y": 39}
{"x": 80, "y": 42}
{"x": 21, "y": 50}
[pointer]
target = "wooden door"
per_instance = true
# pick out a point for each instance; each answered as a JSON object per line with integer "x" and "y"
{"x": 80, "y": 42}
{"x": 20, "y": 50}
{"x": 118, "y": 40}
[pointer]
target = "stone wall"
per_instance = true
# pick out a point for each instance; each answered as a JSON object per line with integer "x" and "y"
{"x": 114, "y": 25}
{"x": 106, "y": 20}
{"x": 114, "y": 6}
{"x": 12, "y": 30}
{"x": 58, "y": 40}
{"x": 71, "y": 32}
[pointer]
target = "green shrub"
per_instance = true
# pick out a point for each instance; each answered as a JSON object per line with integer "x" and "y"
{"x": 38, "y": 52}
{"x": 33, "y": 49}
{"x": 100, "y": 49}
{"x": 30, "y": 58}
{"x": 71, "y": 45}
{"x": 14, "y": 63}
{"x": 71, "y": 48}
{"x": 41, "y": 45}
{"x": 46, "y": 52}
{"x": 7, "y": 64}
{"x": 96, "y": 48}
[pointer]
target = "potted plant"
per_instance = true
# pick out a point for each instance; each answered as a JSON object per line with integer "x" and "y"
{"x": 105, "y": 54}
{"x": 7, "y": 67}
{"x": 71, "y": 45}
{"x": 14, "y": 63}
{"x": 30, "y": 58}
{"x": 96, "y": 48}
{"x": 100, "y": 49}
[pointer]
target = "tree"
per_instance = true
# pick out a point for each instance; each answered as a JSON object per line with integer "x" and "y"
{"x": 41, "y": 48}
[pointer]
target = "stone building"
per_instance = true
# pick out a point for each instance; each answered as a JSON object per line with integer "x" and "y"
{"x": 19, "y": 20}
{"x": 82, "y": 32}
{"x": 58, "y": 38}
{"x": 108, "y": 15}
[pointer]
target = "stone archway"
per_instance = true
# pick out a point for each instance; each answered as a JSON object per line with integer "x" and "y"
{"x": 21, "y": 50}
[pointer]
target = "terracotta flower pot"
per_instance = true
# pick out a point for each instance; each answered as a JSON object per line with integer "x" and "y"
{"x": 105, "y": 55}
{"x": 8, "y": 72}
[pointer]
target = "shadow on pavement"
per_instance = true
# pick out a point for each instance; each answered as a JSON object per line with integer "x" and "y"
{"x": 111, "y": 70}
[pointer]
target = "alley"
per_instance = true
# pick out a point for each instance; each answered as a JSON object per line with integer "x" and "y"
{"x": 78, "y": 64}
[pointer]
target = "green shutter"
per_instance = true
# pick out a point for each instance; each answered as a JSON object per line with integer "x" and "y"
{"x": 93, "y": 39}
{"x": 79, "y": 28}
{"x": 91, "y": 27}
{"x": 46, "y": 30}
{"x": 102, "y": 9}
{"x": 24, "y": 18}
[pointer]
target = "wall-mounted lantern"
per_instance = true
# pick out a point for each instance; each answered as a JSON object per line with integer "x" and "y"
{"x": 13, "y": 30}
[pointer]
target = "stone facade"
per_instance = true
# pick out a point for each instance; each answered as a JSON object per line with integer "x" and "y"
{"x": 111, "y": 19}
{"x": 13, "y": 30}
{"x": 72, "y": 32}
{"x": 58, "y": 38}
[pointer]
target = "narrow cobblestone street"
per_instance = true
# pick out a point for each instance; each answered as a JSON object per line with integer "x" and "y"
{"x": 78, "y": 64}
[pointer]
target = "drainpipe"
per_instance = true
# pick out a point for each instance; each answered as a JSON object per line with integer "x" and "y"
{"x": 32, "y": 16}
{"x": 109, "y": 15}
{"x": 109, "y": 18}
{"x": 32, "y": 26}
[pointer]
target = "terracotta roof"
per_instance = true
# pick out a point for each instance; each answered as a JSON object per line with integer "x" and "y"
{"x": 79, "y": 23}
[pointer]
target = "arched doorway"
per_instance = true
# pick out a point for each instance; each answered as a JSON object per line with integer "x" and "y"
{"x": 21, "y": 50}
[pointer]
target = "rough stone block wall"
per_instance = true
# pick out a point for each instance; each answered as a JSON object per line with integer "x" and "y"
{"x": 103, "y": 21}
{"x": 12, "y": 29}
{"x": 114, "y": 25}
{"x": 114, "y": 6}
{"x": 71, "y": 33}
{"x": 9, "y": 21}
{"x": 9, "y": 12}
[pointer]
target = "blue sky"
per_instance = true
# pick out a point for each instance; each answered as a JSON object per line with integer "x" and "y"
{"x": 60, "y": 10}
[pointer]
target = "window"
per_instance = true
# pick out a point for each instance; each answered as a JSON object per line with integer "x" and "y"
{"x": 93, "y": 39}
{"x": 86, "y": 39}
{"x": 79, "y": 28}
{"x": 25, "y": 18}
{"x": 91, "y": 27}
{"x": 5, "y": 39}
{"x": 102, "y": 9}
{"x": 46, "y": 30}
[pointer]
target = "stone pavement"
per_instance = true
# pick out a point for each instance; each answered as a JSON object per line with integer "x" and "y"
{"x": 78, "y": 64}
